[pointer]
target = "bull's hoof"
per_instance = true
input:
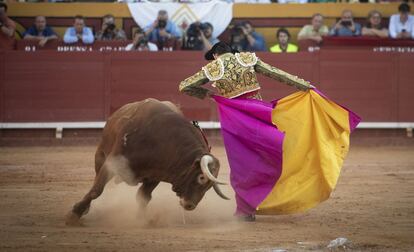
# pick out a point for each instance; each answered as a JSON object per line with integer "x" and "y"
{"x": 72, "y": 220}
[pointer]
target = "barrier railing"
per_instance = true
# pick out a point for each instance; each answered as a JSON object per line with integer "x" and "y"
{"x": 207, "y": 125}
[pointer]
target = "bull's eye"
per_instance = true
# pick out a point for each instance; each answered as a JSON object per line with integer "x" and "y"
{"x": 201, "y": 179}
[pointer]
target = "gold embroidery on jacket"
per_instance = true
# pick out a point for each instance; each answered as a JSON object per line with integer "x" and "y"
{"x": 192, "y": 85}
{"x": 246, "y": 59}
{"x": 237, "y": 79}
{"x": 280, "y": 75}
{"x": 214, "y": 70}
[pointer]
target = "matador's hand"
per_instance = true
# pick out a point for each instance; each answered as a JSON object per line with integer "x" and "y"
{"x": 210, "y": 94}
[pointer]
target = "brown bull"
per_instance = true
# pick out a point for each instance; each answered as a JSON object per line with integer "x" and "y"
{"x": 150, "y": 142}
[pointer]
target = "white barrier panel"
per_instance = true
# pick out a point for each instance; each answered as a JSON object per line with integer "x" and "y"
{"x": 59, "y": 126}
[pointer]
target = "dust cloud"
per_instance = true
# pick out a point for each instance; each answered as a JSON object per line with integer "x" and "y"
{"x": 117, "y": 207}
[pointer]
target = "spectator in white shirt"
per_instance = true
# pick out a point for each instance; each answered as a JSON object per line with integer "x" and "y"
{"x": 79, "y": 32}
{"x": 402, "y": 25}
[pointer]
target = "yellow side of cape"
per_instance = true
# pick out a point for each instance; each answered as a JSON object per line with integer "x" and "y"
{"x": 316, "y": 142}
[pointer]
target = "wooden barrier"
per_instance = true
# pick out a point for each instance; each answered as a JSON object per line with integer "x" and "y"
{"x": 49, "y": 86}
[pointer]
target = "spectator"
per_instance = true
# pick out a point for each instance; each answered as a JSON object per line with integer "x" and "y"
{"x": 256, "y": 41}
{"x": 314, "y": 31}
{"x": 141, "y": 43}
{"x": 346, "y": 26}
{"x": 7, "y": 28}
{"x": 40, "y": 31}
{"x": 207, "y": 35}
{"x": 374, "y": 26}
{"x": 401, "y": 25}
{"x": 283, "y": 38}
{"x": 199, "y": 36}
{"x": 162, "y": 30}
{"x": 79, "y": 32}
{"x": 109, "y": 31}
{"x": 245, "y": 38}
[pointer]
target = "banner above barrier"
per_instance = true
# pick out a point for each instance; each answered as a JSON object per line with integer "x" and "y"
{"x": 218, "y": 13}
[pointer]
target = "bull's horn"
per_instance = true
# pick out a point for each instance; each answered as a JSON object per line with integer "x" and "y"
{"x": 219, "y": 193}
{"x": 205, "y": 160}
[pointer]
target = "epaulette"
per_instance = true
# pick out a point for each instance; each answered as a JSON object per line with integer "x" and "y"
{"x": 246, "y": 59}
{"x": 214, "y": 70}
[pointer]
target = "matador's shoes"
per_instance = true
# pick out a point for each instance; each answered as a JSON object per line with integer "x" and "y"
{"x": 247, "y": 218}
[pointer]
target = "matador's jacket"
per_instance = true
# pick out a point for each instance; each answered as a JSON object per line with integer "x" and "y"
{"x": 234, "y": 75}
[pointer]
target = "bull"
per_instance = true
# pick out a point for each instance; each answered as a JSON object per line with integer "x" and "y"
{"x": 150, "y": 142}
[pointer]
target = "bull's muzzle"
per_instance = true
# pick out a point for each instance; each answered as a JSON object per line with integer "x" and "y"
{"x": 187, "y": 205}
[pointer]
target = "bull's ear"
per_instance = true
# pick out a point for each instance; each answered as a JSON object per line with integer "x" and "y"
{"x": 196, "y": 163}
